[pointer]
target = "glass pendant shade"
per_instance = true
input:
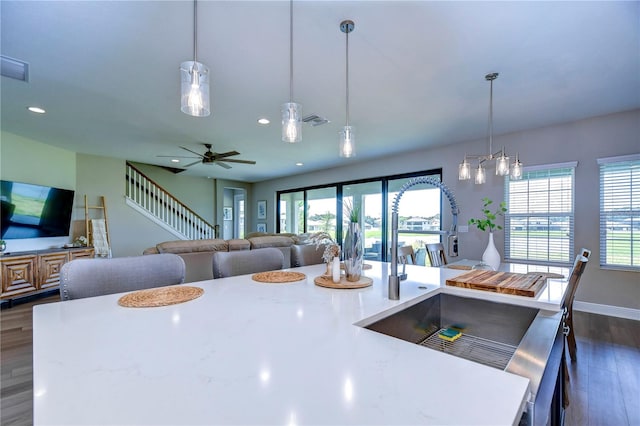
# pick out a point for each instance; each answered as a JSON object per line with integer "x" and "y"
{"x": 516, "y": 169}
{"x": 347, "y": 142}
{"x": 502, "y": 165}
{"x": 291, "y": 122}
{"x": 464, "y": 170}
{"x": 194, "y": 77}
{"x": 481, "y": 176}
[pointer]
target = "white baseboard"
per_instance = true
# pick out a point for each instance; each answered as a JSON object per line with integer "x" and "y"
{"x": 612, "y": 311}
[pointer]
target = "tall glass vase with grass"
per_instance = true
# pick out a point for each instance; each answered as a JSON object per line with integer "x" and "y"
{"x": 353, "y": 247}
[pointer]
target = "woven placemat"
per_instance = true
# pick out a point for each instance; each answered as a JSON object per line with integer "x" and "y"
{"x": 161, "y": 296}
{"x": 278, "y": 277}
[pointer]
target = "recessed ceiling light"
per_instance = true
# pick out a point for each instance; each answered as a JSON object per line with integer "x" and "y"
{"x": 299, "y": 164}
{"x": 264, "y": 121}
{"x": 36, "y": 110}
{"x": 175, "y": 160}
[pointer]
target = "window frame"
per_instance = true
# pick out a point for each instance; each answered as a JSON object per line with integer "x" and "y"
{"x": 570, "y": 215}
{"x": 607, "y": 191}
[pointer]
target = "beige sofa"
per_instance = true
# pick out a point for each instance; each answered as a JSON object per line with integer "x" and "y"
{"x": 198, "y": 254}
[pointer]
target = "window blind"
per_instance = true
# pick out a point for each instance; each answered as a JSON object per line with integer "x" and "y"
{"x": 620, "y": 212}
{"x": 540, "y": 217}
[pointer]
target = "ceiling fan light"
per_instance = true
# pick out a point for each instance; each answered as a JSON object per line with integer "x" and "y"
{"x": 194, "y": 77}
{"x": 291, "y": 122}
{"x": 347, "y": 142}
{"x": 464, "y": 170}
{"x": 481, "y": 176}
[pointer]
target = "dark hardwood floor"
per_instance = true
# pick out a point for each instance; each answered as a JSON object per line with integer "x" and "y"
{"x": 604, "y": 386}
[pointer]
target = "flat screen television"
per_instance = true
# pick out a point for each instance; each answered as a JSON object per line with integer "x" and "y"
{"x": 34, "y": 211}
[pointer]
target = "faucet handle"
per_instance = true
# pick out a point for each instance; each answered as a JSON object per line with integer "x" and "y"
{"x": 403, "y": 275}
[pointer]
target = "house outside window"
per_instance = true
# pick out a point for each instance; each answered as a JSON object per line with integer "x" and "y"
{"x": 539, "y": 225}
{"x": 620, "y": 212}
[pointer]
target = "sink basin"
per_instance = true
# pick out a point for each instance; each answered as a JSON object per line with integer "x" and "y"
{"x": 488, "y": 328}
{"x": 518, "y": 339}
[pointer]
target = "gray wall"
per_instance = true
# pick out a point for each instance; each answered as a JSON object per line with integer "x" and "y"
{"x": 582, "y": 141}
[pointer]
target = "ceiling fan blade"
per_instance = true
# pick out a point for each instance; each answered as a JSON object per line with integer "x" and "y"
{"x": 176, "y": 156}
{"x": 193, "y": 152}
{"x": 231, "y": 160}
{"x": 194, "y": 163}
{"x": 218, "y": 155}
{"x": 226, "y": 166}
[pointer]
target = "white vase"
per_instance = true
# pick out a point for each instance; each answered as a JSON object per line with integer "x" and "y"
{"x": 491, "y": 256}
{"x": 335, "y": 270}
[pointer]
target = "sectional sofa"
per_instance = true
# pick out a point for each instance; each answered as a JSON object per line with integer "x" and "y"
{"x": 198, "y": 254}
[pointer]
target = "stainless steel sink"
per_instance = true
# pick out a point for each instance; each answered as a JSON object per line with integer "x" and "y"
{"x": 522, "y": 340}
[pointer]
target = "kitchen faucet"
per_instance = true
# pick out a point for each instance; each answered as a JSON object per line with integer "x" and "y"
{"x": 394, "y": 278}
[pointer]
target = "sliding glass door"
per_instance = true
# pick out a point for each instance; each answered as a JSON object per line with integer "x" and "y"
{"x": 368, "y": 198}
{"x": 291, "y": 210}
{"x": 321, "y": 210}
{"x": 418, "y": 216}
{"x": 326, "y": 209}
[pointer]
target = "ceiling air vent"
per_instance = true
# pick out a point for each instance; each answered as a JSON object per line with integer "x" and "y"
{"x": 14, "y": 68}
{"x": 315, "y": 120}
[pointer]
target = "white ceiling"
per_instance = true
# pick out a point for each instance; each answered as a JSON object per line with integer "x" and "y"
{"x": 107, "y": 72}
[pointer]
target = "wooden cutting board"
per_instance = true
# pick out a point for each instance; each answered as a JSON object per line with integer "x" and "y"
{"x": 501, "y": 282}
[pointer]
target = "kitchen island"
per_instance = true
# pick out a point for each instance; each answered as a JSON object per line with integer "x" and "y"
{"x": 256, "y": 353}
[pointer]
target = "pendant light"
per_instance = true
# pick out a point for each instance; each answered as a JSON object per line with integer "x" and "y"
{"x": 502, "y": 160}
{"x": 194, "y": 76}
{"x": 347, "y": 137}
{"x": 291, "y": 111}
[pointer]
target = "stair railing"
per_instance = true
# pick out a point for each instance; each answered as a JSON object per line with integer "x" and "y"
{"x": 159, "y": 205}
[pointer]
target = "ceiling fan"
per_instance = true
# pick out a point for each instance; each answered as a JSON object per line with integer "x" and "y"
{"x": 211, "y": 157}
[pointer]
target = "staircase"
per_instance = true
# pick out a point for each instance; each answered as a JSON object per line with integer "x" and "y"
{"x": 151, "y": 200}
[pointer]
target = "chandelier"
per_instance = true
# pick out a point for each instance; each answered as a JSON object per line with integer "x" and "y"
{"x": 503, "y": 168}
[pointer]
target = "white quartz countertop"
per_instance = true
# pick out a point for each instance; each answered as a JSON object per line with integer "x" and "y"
{"x": 255, "y": 353}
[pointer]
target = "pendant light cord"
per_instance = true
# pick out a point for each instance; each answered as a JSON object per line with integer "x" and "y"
{"x": 491, "y": 119}
{"x": 291, "y": 51}
{"x": 347, "y": 72}
{"x": 195, "y": 31}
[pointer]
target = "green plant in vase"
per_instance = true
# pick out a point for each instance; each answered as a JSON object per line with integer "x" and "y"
{"x": 491, "y": 256}
{"x": 488, "y": 222}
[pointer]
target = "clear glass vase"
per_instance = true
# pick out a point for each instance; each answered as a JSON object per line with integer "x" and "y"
{"x": 353, "y": 249}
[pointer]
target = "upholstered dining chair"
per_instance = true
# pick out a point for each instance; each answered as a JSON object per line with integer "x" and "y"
{"x": 81, "y": 278}
{"x": 232, "y": 263}
{"x": 307, "y": 254}
{"x": 406, "y": 255}
{"x": 572, "y": 285}
{"x": 435, "y": 252}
